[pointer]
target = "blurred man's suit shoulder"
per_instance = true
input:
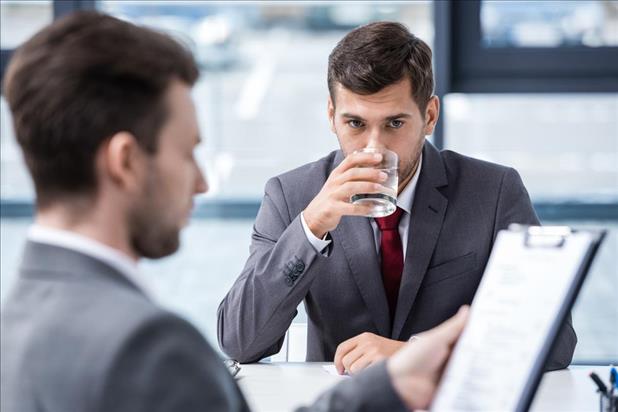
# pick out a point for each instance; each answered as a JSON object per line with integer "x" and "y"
{"x": 82, "y": 337}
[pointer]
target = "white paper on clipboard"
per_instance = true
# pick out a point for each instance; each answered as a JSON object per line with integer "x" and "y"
{"x": 518, "y": 300}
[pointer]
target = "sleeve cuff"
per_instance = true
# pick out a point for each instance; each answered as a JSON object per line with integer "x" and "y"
{"x": 318, "y": 244}
{"x": 378, "y": 393}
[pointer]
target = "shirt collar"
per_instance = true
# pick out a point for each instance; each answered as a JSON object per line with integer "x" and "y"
{"x": 90, "y": 247}
{"x": 406, "y": 197}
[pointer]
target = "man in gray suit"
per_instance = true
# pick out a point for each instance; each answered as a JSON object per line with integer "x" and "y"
{"x": 103, "y": 113}
{"x": 366, "y": 293}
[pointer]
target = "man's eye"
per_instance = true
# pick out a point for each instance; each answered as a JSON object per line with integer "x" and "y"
{"x": 395, "y": 124}
{"x": 355, "y": 124}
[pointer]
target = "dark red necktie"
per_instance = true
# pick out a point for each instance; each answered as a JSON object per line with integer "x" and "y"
{"x": 391, "y": 251}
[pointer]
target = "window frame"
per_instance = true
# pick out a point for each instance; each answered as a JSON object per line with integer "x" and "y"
{"x": 459, "y": 61}
{"x": 478, "y": 69}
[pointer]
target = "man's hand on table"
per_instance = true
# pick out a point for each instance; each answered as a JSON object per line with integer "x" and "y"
{"x": 361, "y": 351}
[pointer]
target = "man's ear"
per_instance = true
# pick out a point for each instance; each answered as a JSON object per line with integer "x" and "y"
{"x": 432, "y": 112}
{"x": 331, "y": 114}
{"x": 122, "y": 161}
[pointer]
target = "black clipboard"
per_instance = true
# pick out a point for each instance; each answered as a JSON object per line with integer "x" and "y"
{"x": 459, "y": 391}
{"x": 544, "y": 235}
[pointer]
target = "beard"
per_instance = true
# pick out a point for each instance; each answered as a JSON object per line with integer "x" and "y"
{"x": 150, "y": 233}
{"x": 408, "y": 167}
{"x": 150, "y": 239}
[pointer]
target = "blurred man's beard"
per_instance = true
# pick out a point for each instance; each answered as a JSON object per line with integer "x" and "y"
{"x": 149, "y": 238}
{"x": 150, "y": 234}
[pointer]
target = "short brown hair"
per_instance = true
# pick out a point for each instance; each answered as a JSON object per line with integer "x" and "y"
{"x": 78, "y": 82}
{"x": 377, "y": 55}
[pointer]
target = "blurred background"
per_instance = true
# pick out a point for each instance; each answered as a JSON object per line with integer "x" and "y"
{"x": 528, "y": 84}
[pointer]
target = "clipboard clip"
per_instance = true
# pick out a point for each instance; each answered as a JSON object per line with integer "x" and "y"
{"x": 543, "y": 236}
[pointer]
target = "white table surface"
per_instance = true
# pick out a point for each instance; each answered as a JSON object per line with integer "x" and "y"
{"x": 282, "y": 386}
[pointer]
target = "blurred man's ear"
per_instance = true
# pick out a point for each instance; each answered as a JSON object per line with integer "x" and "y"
{"x": 331, "y": 114}
{"x": 432, "y": 112}
{"x": 121, "y": 161}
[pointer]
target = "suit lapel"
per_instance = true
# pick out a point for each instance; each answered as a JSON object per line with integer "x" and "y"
{"x": 357, "y": 241}
{"x": 426, "y": 219}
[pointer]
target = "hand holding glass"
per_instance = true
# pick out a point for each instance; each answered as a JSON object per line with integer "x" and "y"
{"x": 385, "y": 202}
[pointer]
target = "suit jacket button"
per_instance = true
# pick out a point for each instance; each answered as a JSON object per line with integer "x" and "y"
{"x": 299, "y": 267}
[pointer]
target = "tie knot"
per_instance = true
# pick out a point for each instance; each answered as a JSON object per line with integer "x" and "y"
{"x": 390, "y": 222}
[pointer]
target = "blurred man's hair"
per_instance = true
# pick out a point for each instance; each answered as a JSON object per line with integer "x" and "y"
{"x": 377, "y": 55}
{"x": 78, "y": 82}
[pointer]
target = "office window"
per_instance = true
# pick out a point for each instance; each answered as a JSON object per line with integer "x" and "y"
{"x": 549, "y": 23}
{"x": 262, "y": 94}
{"x": 528, "y": 46}
{"x": 21, "y": 19}
{"x": 565, "y": 146}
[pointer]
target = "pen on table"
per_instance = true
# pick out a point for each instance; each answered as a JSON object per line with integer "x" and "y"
{"x": 600, "y": 385}
{"x": 613, "y": 379}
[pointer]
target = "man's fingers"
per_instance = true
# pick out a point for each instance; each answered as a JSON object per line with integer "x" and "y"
{"x": 362, "y": 174}
{"x": 449, "y": 330}
{"x": 342, "y": 350}
{"x": 358, "y": 159}
{"x": 361, "y": 363}
{"x": 351, "y": 357}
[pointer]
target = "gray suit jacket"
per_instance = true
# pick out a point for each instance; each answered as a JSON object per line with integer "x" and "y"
{"x": 78, "y": 336}
{"x": 460, "y": 205}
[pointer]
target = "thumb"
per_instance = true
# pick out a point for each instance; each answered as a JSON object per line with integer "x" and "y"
{"x": 448, "y": 331}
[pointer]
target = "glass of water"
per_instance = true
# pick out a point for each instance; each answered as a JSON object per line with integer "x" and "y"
{"x": 385, "y": 202}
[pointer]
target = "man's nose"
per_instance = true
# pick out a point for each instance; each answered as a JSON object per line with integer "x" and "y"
{"x": 375, "y": 139}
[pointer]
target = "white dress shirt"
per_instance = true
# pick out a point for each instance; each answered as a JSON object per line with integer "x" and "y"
{"x": 90, "y": 247}
{"x": 405, "y": 199}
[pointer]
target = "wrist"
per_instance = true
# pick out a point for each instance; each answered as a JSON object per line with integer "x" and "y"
{"x": 317, "y": 231}
{"x": 400, "y": 345}
{"x": 415, "y": 393}
{"x": 411, "y": 389}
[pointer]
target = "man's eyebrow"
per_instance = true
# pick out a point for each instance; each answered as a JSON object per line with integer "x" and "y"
{"x": 352, "y": 116}
{"x": 399, "y": 116}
